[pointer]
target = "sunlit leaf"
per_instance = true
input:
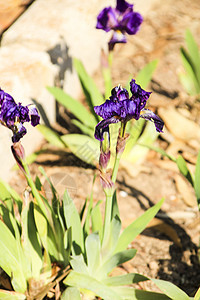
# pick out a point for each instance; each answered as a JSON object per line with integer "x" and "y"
{"x": 93, "y": 95}
{"x": 7, "y": 295}
{"x": 83, "y": 146}
{"x": 171, "y": 290}
{"x": 181, "y": 163}
{"x": 73, "y": 106}
{"x": 197, "y": 180}
{"x": 85, "y": 129}
{"x": 72, "y": 220}
{"x": 135, "y": 228}
{"x": 114, "y": 261}
{"x": 125, "y": 279}
{"x": 144, "y": 76}
{"x": 197, "y": 295}
{"x": 194, "y": 53}
{"x": 92, "y": 245}
{"x": 148, "y": 137}
{"x": 71, "y": 293}
{"x": 10, "y": 260}
{"x": 86, "y": 282}
{"x": 96, "y": 218}
{"x": 130, "y": 293}
{"x": 51, "y": 136}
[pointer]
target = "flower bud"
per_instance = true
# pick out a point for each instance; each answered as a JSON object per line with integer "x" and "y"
{"x": 105, "y": 149}
{"x": 19, "y": 154}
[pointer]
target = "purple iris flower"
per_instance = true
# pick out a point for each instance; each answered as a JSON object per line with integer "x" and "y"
{"x": 121, "y": 19}
{"x": 121, "y": 108}
{"x": 13, "y": 115}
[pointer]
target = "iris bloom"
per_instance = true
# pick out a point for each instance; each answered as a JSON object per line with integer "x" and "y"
{"x": 121, "y": 20}
{"x": 13, "y": 115}
{"x": 121, "y": 108}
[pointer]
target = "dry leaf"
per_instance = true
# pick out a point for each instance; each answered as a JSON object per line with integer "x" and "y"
{"x": 165, "y": 228}
{"x": 180, "y": 126}
{"x": 186, "y": 191}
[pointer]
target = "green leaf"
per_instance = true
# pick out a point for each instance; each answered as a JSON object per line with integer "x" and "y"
{"x": 85, "y": 129}
{"x": 88, "y": 283}
{"x": 160, "y": 150}
{"x": 7, "y": 194}
{"x": 187, "y": 82}
{"x": 144, "y": 76}
{"x": 10, "y": 260}
{"x": 115, "y": 208}
{"x": 106, "y": 72}
{"x": 7, "y": 295}
{"x": 83, "y": 146}
{"x": 148, "y": 137}
{"x": 78, "y": 264}
{"x": 72, "y": 220}
{"x": 125, "y": 279}
{"x": 93, "y": 95}
{"x": 31, "y": 245}
{"x": 181, "y": 163}
{"x": 197, "y": 180}
{"x": 129, "y": 293}
{"x": 188, "y": 66}
{"x": 115, "y": 228}
{"x": 197, "y": 295}
{"x": 92, "y": 245}
{"x": 136, "y": 227}
{"x": 114, "y": 261}
{"x": 97, "y": 222}
{"x": 134, "y": 128}
{"x": 71, "y": 293}
{"x": 171, "y": 290}
{"x": 42, "y": 226}
{"x": 51, "y": 136}
{"x": 194, "y": 53}
{"x": 78, "y": 110}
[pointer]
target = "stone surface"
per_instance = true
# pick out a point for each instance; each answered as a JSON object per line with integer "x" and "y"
{"x": 38, "y": 49}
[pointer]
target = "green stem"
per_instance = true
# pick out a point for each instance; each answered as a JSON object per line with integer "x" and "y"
{"x": 116, "y": 167}
{"x": 107, "y": 75}
{"x": 34, "y": 190}
{"x": 107, "y": 217}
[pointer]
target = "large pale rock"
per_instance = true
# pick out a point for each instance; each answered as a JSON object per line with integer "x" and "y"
{"x": 181, "y": 127}
{"x": 25, "y": 76}
{"x": 39, "y": 47}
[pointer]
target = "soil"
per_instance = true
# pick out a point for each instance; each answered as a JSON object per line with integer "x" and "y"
{"x": 167, "y": 249}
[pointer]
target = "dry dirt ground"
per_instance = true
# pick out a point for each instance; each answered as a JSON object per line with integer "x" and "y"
{"x": 167, "y": 249}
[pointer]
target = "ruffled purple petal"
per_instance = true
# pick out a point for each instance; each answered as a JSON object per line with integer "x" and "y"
{"x": 149, "y": 115}
{"x": 100, "y": 128}
{"x": 117, "y": 37}
{"x": 107, "y": 20}
{"x": 139, "y": 95}
{"x": 5, "y": 96}
{"x": 122, "y": 6}
{"x": 18, "y": 133}
{"x": 108, "y": 109}
{"x": 119, "y": 94}
{"x": 131, "y": 22}
{"x": 35, "y": 118}
{"x": 13, "y": 115}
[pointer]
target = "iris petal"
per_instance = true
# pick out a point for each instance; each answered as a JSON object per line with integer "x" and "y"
{"x": 122, "y": 6}
{"x": 121, "y": 20}
{"x": 149, "y": 115}
{"x": 100, "y": 128}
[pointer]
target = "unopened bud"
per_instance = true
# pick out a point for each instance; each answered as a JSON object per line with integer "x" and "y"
{"x": 105, "y": 149}
{"x": 19, "y": 154}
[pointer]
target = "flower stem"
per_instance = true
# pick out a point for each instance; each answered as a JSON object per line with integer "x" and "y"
{"x": 34, "y": 190}
{"x": 107, "y": 216}
{"x": 116, "y": 166}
